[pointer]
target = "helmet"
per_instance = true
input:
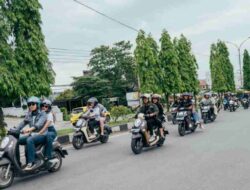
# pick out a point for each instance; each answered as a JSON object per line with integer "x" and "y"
{"x": 145, "y": 96}
{"x": 185, "y": 94}
{"x": 207, "y": 94}
{"x": 33, "y": 99}
{"x": 156, "y": 96}
{"x": 48, "y": 103}
{"x": 93, "y": 100}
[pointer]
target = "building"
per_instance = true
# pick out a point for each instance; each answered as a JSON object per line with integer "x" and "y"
{"x": 203, "y": 84}
{"x": 58, "y": 89}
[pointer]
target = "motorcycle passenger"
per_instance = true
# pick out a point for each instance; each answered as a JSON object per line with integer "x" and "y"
{"x": 93, "y": 114}
{"x": 215, "y": 102}
{"x": 36, "y": 120}
{"x": 160, "y": 119}
{"x": 151, "y": 112}
{"x": 49, "y": 129}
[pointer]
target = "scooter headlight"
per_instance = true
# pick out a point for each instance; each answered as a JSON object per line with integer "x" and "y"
{"x": 4, "y": 142}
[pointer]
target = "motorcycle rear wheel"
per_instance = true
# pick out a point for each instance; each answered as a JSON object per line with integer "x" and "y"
{"x": 105, "y": 137}
{"x": 58, "y": 166}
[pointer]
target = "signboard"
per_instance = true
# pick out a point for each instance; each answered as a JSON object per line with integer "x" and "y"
{"x": 133, "y": 99}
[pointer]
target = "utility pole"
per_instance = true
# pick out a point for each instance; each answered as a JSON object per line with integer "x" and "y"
{"x": 239, "y": 54}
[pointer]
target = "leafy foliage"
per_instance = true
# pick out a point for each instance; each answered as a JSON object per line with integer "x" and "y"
{"x": 2, "y": 125}
{"x": 187, "y": 65}
{"x": 221, "y": 68}
{"x": 67, "y": 94}
{"x": 92, "y": 86}
{"x": 246, "y": 70}
{"x": 23, "y": 54}
{"x": 168, "y": 74}
{"x": 115, "y": 68}
{"x": 119, "y": 111}
{"x": 146, "y": 53}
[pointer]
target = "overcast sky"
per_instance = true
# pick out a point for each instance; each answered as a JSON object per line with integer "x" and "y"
{"x": 71, "y": 26}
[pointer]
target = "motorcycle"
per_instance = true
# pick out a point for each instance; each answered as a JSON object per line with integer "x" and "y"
{"x": 173, "y": 113}
{"x": 185, "y": 122}
{"x": 245, "y": 103}
{"x": 139, "y": 135}
{"x": 232, "y": 105}
{"x": 11, "y": 167}
{"x": 207, "y": 114}
{"x": 82, "y": 134}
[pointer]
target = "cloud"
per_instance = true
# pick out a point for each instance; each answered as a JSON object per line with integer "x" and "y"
{"x": 219, "y": 21}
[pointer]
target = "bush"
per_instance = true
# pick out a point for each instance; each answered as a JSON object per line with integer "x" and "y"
{"x": 119, "y": 111}
{"x": 66, "y": 116}
{"x": 2, "y": 125}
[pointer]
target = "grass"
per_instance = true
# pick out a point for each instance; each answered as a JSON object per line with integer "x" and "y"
{"x": 66, "y": 131}
{"x": 120, "y": 122}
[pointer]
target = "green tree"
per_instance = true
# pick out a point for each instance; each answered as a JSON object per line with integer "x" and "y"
{"x": 187, "y": 65}
{"x": 115, "y": 64}
{"x": 30, "y": 52}
{"x": 92, "y": 86}
{"x": 67, "y": 94}
{"x": 222, "y": 73}
{"x": 168, "y": 74}
{"x": 246, "y": 70}
{"x": 146, "y": 62}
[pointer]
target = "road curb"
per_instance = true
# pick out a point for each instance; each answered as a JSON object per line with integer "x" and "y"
{"x": 66, "y": 139}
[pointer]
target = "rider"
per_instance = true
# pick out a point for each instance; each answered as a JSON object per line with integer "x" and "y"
{"x": 156, "y": 100}
{"x": 151, "y": 112}
{"x": 93, "y": 114}
{"x": 36, "y": 120}
{"x": 207, "y": 101}
{"x": 188, "y": 104}
{"x": 48, "y": 130}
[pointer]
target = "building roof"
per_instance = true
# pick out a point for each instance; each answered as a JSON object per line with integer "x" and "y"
{"x": 203, "y": 82}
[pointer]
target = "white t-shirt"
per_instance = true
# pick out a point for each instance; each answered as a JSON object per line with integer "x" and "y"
{"x": 50, "y": 117}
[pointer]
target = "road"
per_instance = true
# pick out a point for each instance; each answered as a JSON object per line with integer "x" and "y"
{"x": 217, "y": 158}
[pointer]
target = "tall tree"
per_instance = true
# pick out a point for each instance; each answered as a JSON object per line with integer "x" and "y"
{"x": 222, "y": 73}
{"x": 168, "y": 74}
{"x": 115, "y": 64}
{"x": 9, "y": 69}
{"x": 246, "y": 70}
{"x": 146, "y": 62}
{"x": 187, "y": 65}
{"x": 30, "y": 51}
{"x": 92, "y": 86}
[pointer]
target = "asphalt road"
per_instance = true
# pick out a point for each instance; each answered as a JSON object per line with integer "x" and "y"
{"x": 217, "y": 158}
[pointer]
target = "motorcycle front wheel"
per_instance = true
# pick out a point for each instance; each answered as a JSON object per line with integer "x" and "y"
{"x": 6, "y": 181}
{"x": 181, "y": 129}
{"x": 78, "y": 142}
{"x": 137, "y": 145}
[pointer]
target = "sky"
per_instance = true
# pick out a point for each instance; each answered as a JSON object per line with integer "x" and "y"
{"x": 68, "y": 25}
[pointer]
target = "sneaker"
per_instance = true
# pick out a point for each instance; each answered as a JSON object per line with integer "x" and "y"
{"x": 152, "y": 138}
{"x": 92, "y": 136}
{"x": 201, "y": 126}
{"x": 29, "y": 167}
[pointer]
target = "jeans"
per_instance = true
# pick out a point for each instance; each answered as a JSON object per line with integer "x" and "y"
{"x": 50, "y": 136}
{"x": 196, "y": 117}
{"x": 31, "y": 142}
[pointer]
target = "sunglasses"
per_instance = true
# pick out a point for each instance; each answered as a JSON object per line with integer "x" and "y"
{"x": 44, "y": 106}
{"x": 31, "y": 104}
